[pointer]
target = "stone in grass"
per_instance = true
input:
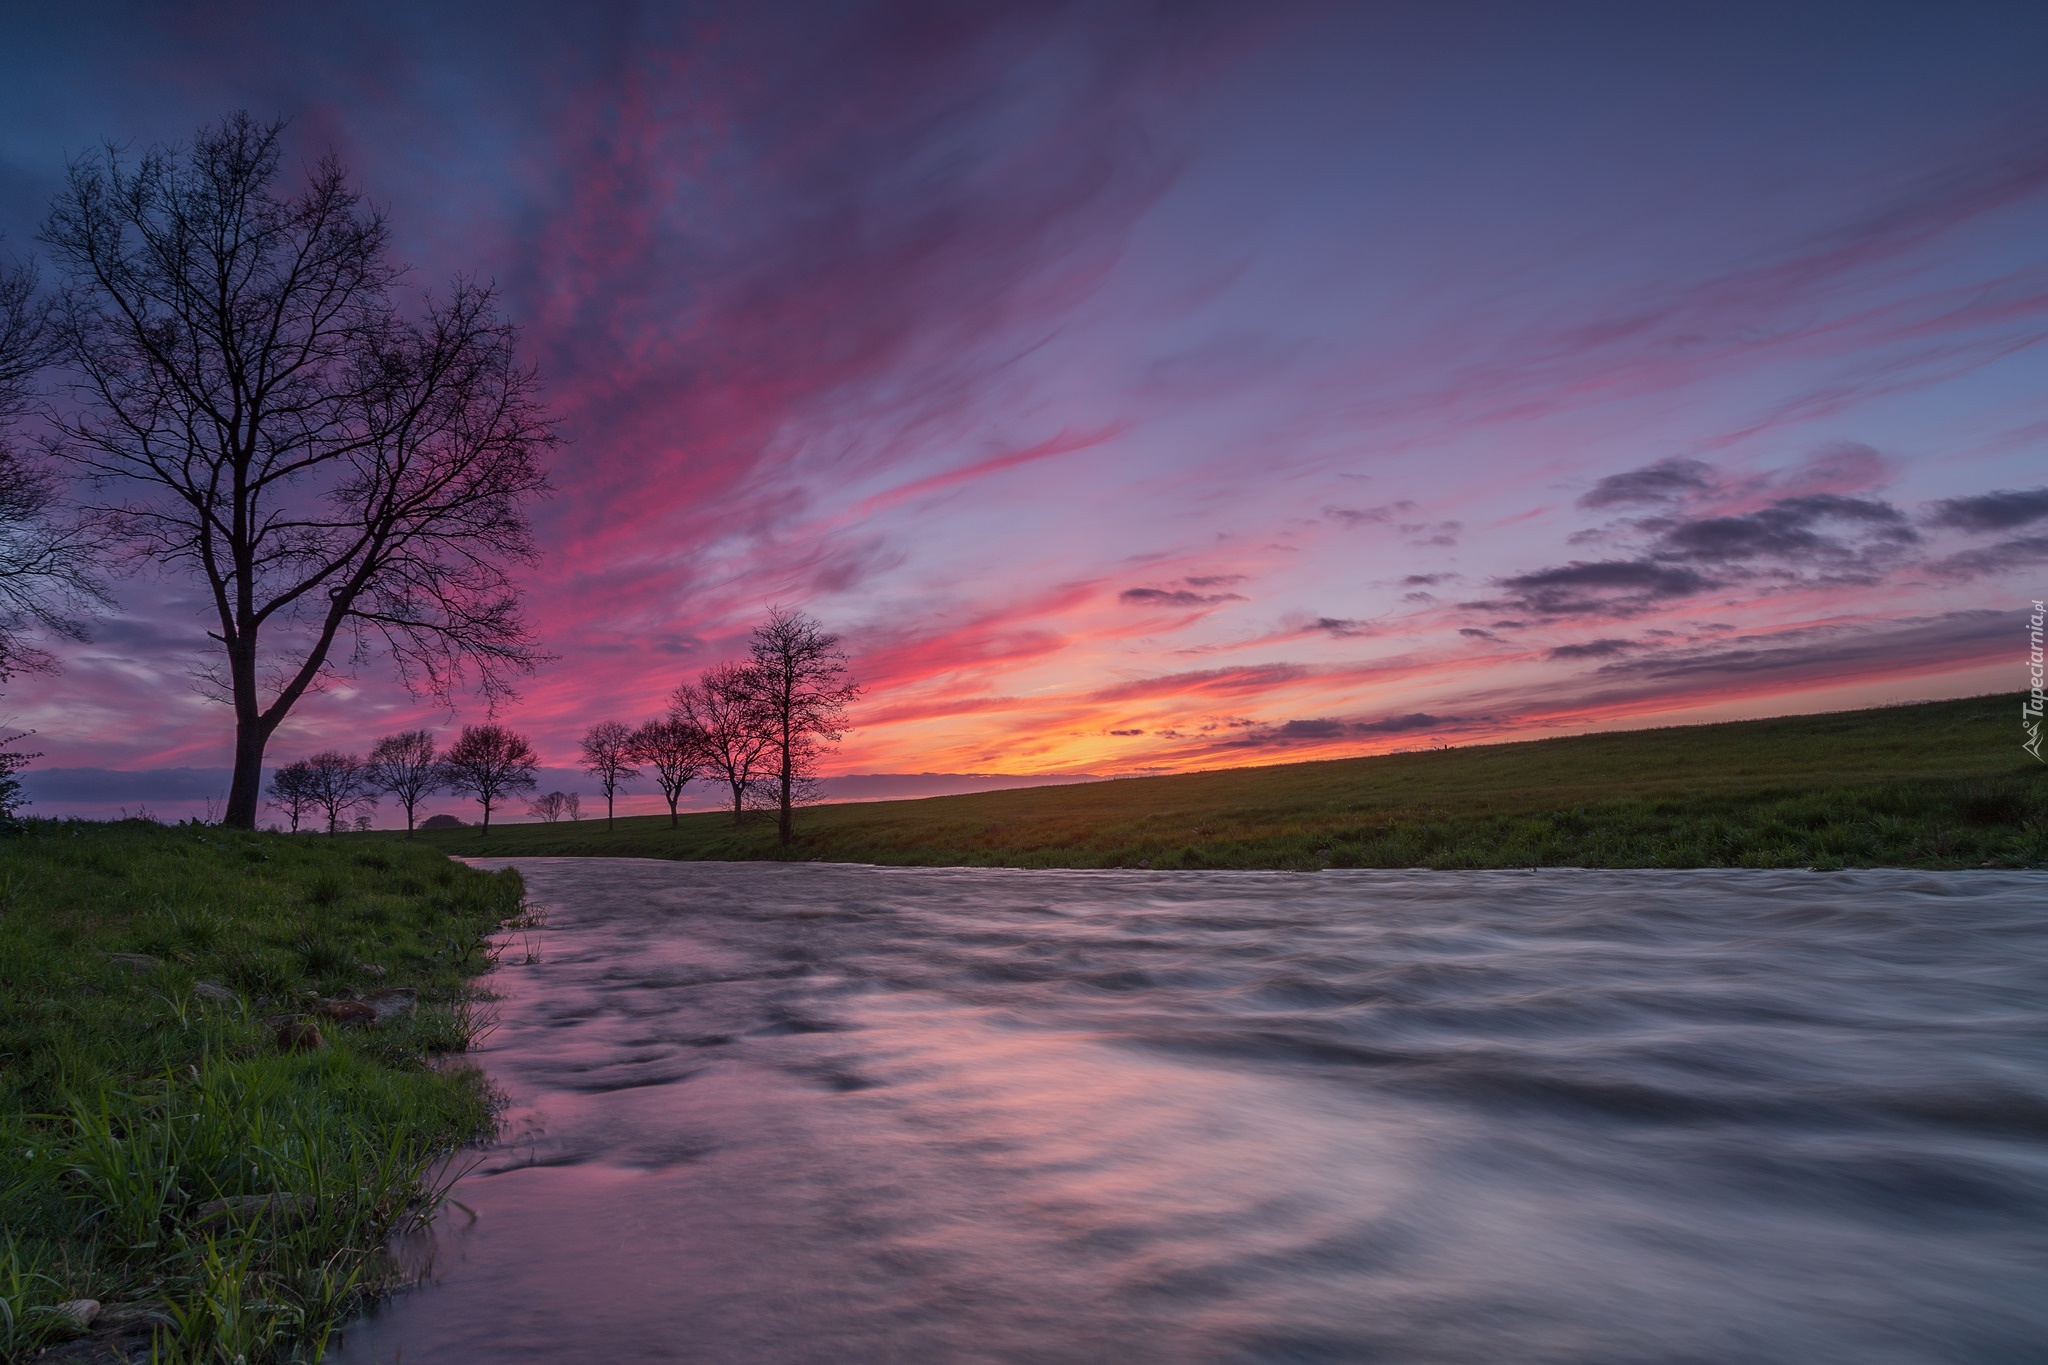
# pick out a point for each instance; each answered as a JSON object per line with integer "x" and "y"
{"x": 213, "y": 993}
{"x": 299, "y": 1035}
{"x": 76, "y": 1315}
{"x": 346, "y": 1012}
{"x": 135, "y": 962}
{"x": 123, "y": 1318}
{"x": 252, "y": 1210}
{"x": 401, "y": 1003}
{"x": 99, "y": 1351}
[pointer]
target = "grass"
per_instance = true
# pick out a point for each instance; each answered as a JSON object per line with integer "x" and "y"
{"x": 129, "y": 1101}
{"x": 1939, "y": 785}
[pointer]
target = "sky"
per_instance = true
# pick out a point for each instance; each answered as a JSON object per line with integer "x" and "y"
{"x": 1147, "y": 388}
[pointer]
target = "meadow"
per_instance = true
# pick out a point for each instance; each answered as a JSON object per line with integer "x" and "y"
{"x": 161, "y": 1150}
{"x": 1934, "y": 785}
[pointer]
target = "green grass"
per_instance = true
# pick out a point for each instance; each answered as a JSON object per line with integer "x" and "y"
{"x": 1939, "y": 785}
{"x": 128, "y": 1101}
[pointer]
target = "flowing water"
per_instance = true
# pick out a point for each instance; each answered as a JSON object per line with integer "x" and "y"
{"x": 769, "y": 1113}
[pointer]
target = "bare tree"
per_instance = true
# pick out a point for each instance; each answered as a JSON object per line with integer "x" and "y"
{"x": 490, "y": 762}
{"x": 674, "y": 748}
{"x": 802, "y": 690}
{"x": 339, "y": 476}
{"x": 573, "y": 804}
{"x": 12, "y": 761}
{"x": 49, "y": 562}
{"x": 723, "y": 708}
{"x": 291, "y": 792}
{"x": 339, "y": 785}
{"x": 608, "y": 757}
{"x": 406, "y": 766}
{"x": 549, "y": 808}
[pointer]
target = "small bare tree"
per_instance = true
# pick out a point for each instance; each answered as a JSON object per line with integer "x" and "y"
{"x": 801, "y": 691}
{"x": 608, "y": 757}
{"x": 674, "y": 748}
{"x": 550, "y": 808}
{"x": 337, "y": 475}
{"x": 406, "y": 766}
{"x": 291, "y": 792}
{"x": 723, "y": 708}
{"x": 340, "y": 786}
{"x": 490, "y": 763}
{"x": 49, "y": 563}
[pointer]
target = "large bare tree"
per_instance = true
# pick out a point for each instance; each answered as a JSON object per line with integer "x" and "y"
{"x": 49, "y": 562}
{"x": 491, "y": 763}
{"x": 723, "y": 707}
{"x": 339, "y": 785}
{"x": 406, "y": 766}
{"x": 291, "y": 791}
{"x": 338, "y": 474}
{"x": 608, "y": 756}
{"x": 674, "y": 748}
{"x": 801, "y": 690}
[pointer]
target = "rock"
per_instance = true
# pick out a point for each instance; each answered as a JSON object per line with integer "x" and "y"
{"x": 135, "y": 962}
{"x": 213, "y": 993}
{"x": 401, "y": 1003}
{"x": 98, "y": 1352}
{"x": 250, "y": 1210}
{"x": 353, "y": 1012}
{"x": 124, "y": 1318}
{"x": 77, "y": 1314}
{"x": 375, "y": 971}
{"x": 299, "y": 1035}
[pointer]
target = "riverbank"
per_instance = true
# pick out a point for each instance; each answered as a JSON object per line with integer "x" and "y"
{"x": 217, "y": 1096}
{"x": 1936, "y": 785}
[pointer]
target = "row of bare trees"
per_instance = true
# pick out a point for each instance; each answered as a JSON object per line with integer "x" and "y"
{"x": 488, "y": 762}
{"x": 757, "y": 727}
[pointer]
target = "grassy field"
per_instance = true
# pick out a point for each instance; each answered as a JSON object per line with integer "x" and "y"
{"x": 159, "y": 1151}
{"x": 1939, "y": 785}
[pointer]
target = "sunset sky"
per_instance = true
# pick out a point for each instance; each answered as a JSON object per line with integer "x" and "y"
{"x": 1146, "y": 388}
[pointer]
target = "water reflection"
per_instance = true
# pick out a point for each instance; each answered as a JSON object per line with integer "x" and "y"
{"x": 797, "y": 1113}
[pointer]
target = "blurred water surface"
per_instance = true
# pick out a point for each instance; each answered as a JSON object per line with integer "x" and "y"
{"x": 768, "y": 1113}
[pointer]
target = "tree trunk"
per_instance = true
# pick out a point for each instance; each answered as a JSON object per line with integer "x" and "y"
{"x": 784, "y": 826}
{"x": 246, "y": 791}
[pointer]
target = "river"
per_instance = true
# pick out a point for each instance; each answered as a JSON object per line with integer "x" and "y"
{"x": 814, "y": 1112}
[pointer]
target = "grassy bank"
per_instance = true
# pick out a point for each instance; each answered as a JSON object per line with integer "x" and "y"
{"x": 161, "y": 1151}
{"x": 1941, "y": 785}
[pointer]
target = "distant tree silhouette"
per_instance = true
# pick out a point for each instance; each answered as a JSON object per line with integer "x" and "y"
{"x": 608, "y": 757}
{"x": 337, "y": 475}
{"x": 674, "y": 748}
{"x": 490, "y": 763}
{"x": 551, "y": 807}
{"x": 723, "y": 706}
{"x": 340, "y": 786}
{"x": 291, "y": 792}
{"x": 12, "y": 761}
{"x": 801, "y": 690}
{"x": 49, "y": 572}
{"x": 406, "y": 766}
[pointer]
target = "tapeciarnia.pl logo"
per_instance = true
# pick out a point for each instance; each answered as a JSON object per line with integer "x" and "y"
{"x": 2030, "y": 710}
